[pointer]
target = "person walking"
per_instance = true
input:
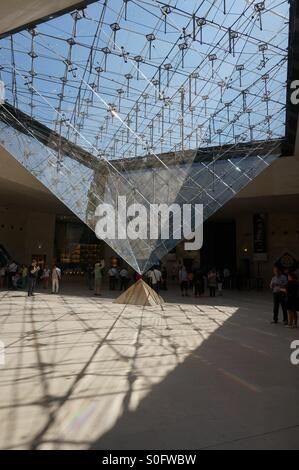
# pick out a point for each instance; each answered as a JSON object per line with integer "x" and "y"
{"x": 278, "y": 285}
{"x": 212, "y": 282}
{"x": 292, "y": 300}
{"x": 98, "y": 277}
{"x": 33, "y": 271}
{"x": 56, "y": 276}
{"x": 184, "y": 283}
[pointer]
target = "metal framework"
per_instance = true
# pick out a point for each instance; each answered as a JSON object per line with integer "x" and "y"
{"x": 148, "y": 100}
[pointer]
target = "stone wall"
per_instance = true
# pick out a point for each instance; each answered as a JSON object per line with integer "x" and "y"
{"x": 282, "y": 237}
{"x": 25, "y": 233}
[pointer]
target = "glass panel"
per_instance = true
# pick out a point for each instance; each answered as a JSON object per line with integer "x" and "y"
{"x": 161, "y": 104}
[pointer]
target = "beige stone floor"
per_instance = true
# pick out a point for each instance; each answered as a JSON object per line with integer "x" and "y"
{"x": 81, "y": 372}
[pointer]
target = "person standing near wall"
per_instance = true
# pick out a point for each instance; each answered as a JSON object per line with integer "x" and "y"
{"x": 278, "y": 285}
{"x": 98, "y": 276}
{"x": 33, "y": 271}
{"x": 56, "y": 276}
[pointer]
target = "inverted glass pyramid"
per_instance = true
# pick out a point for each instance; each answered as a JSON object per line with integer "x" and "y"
{"x": 158, "y": 103}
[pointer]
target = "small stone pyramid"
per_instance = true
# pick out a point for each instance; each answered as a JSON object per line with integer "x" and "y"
{"x": 139, "y": 293}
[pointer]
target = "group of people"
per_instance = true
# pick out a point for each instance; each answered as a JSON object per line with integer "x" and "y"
{"x": 20, "y": 276}
{"x": 191, "y": 281}
{"x": 157, "y": 278}
{"x": 94, "y": 276}
{"x": 285, "y": 290}
{"x": 284, "y": 286}
{"x": 194, "y": 281}
{"x": 119, "y": 278}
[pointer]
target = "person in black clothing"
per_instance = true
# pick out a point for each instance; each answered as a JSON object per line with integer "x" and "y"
{"x": 278, "y": 285}
{"x": 39, "y": 276}
{"x": 164, "y": 278}
{"x": 124, "y": 279}
{"x": 292, "y": 301}
{"x": 32, "y": 276}
{"x": 198, "y": 283}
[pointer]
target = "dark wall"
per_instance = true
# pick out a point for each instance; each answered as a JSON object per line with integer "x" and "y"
{"x": 219, "y": 245}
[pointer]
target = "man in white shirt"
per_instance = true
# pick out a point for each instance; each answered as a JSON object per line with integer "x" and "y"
{"x": 278, "y": 282}
{"x": 56, "y": 276}
{"x": 155, "y": 276}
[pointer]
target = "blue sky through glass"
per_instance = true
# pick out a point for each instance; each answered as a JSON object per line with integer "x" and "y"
{"x": 207, "y": 77}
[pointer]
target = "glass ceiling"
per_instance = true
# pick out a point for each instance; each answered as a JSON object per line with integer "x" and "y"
{"x": 135, "y": 88}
